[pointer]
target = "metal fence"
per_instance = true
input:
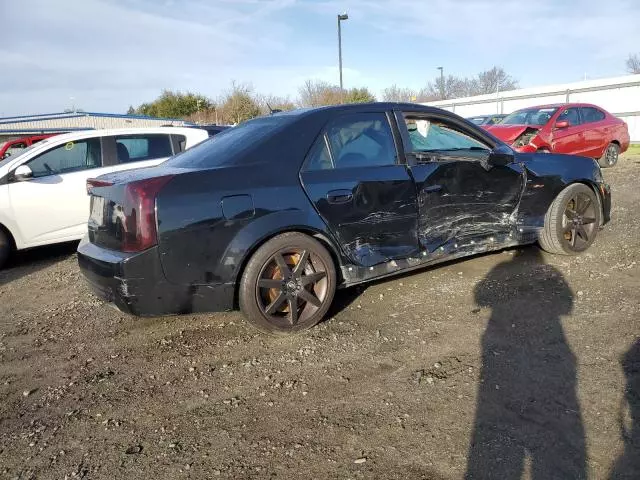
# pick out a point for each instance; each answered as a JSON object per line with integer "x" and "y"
{"x": 620, "y": 96}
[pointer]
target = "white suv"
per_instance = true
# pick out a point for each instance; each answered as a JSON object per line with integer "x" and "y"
{"x": 43, "y": 196}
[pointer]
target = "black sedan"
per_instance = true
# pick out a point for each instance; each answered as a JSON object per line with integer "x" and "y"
{"x": 278, "y": 212}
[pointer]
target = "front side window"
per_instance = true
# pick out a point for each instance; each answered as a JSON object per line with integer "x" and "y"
{"x": 136, "y": 148}
{"x": 431, "y": 135}
{"x": 69, "y": 157}
{"x": 570, "y": 115}
{"x": 361, "y": 140}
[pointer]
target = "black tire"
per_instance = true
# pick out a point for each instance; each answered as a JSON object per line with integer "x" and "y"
{"x": 572, "y": 221}
{"x": 288, "y": 284}
{"x": 5, "y": 247}
{"x": 610, "y": 156}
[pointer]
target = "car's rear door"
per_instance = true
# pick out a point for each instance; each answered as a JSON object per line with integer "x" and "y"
{"x": 361, "y": 189}
{"x": 569, "y": 140}
{"x": 596, "y": 131}
{"x": 461, "y": 198}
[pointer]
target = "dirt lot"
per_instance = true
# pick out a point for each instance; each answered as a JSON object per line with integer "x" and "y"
{"x": 504, "y": 366}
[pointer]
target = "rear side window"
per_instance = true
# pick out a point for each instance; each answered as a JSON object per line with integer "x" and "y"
{"x": 136, "y": 148}
{"x": 69, "y": 157}
{"x": 590, "y": 115}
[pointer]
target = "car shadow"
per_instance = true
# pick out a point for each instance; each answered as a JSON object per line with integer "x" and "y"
{"x": 627, "y": 467}
{"x": 527, "y": 406}
{"x": 26, "y": 262}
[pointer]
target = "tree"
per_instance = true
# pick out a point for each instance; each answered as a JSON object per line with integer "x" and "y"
{"x": 131, "y": 110}
{"x": 633, "y": 63}
{"x": 451, "y": 87}
{"x": 315, "y": 93}
{"x": 359, "y": 95}
{"x": 401, "y": 94}
{"x": 174, "y": 105}
{"x": 490, "y": 81}
{"x": 238, "y": 104}
{"x": 268, "y": 103}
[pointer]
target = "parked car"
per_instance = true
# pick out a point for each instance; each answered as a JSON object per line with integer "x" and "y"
{"x": 571, "y": 128}
{"x": 43, "y": 196}
{"x": 487, "y": 119}
{"x": 17, "y": 145}
{"x": 278, "y": 212}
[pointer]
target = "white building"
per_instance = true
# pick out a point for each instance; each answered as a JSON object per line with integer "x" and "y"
{"x": 619, "y": 96}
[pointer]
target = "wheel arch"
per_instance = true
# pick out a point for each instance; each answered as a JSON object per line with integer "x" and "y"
{"x": 4, "y": 229}
{"x": 322, "y": 237}
{"x": 594, "y": 187}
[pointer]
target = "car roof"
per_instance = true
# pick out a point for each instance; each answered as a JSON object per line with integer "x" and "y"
{"x": 560, "y": 105}
{"x": 106, "y": 132}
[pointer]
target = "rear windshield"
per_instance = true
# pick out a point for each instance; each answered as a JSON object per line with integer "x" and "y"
{"x": 223, "y": 148}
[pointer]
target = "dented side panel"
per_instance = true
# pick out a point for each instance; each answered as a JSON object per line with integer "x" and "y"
{"x": 375, "y": 219}
{"x": 460, "y": 199}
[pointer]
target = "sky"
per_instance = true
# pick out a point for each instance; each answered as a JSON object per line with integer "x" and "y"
{"x": 104, "y": 55}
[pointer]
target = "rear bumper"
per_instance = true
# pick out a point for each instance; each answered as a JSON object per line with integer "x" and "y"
{"x": 136, "y": 284}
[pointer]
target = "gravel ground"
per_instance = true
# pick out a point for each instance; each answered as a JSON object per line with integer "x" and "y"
{"x": 507, "y": 365}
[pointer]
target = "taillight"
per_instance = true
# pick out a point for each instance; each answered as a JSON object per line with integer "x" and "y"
{"x": 139, "y": 208}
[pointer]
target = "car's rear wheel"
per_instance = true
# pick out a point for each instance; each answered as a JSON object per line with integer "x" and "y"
{"x": 5, "y": 247}
{"x": 288, "y": 284}
{"x": 572, "y": 221}
{"x": 610, "y": 156}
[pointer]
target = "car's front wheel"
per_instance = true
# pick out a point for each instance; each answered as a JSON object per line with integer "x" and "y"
{"x": 610, "y": 156}
{"x": 288, "y": 284}
{"x": 572, "y": 221}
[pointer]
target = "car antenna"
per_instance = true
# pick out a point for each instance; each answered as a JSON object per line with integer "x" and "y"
{"x": 271, "y": 110}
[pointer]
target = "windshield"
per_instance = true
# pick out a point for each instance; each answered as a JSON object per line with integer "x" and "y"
{"x": 529, "y": 116}
{"x": 222, "y": 148}
{"x": 478, "y": 120}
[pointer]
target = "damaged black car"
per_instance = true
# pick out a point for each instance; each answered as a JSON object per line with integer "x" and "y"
{"x": 275, "y": 214}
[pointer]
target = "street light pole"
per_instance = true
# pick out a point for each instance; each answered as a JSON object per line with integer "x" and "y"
{"x": 441, "y": 82}
{"x": 341, "y": 17}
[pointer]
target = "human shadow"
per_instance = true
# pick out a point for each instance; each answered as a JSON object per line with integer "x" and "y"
{"x": 527, "y": 407}
{"x": 627, "y": 467}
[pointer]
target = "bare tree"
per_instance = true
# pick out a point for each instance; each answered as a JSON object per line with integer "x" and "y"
{"x": 315, "y": 93}
{"x": 633, "y": 63}
{"x": 272, "y": 102}
{"x": 402, "y": 94}
{"x": 491, "y": 81}
{"x": 238, "y": 104}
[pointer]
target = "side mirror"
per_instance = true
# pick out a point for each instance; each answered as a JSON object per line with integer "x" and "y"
{"x": 22, "y": 173}
{"x": 562, "y": 124}
{"x": 501, "y": 156}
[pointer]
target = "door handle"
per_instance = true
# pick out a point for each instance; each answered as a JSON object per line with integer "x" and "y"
{"x": 339, "y": 196}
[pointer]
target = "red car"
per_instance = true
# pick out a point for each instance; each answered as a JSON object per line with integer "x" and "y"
{"x": 15, "y": 146}
{"x": 571, "y": 128}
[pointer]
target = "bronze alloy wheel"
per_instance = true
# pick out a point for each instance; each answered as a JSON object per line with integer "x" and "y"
{"x": 292, "y": 286}
{"x": 579, "y": 221}
{"x": 288, "y": 284}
